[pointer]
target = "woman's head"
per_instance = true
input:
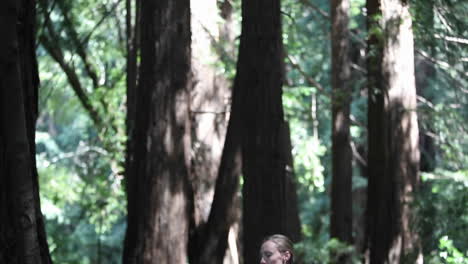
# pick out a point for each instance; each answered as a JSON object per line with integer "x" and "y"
{"x": 276, "y": 249}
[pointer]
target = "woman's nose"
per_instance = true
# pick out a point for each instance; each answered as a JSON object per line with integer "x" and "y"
{"x": 262, "y": 261}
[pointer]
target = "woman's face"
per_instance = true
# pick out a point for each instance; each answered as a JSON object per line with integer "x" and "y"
{"x": 270, "y": 254}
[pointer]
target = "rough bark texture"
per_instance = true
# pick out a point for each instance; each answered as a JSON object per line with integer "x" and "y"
{"x": 393, "y": 133}
{"x": 212, "y": 241}
{"x": 22, "y": 233}
{"x": 132, "y": 17}
{"x": 264, "y": 163}
{"x": 209, "y": 111}
{"x": 341, "y": 200}
{"x": 157, "y": 180}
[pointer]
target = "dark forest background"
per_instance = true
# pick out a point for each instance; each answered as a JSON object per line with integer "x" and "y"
{"x": 179, "y": 131}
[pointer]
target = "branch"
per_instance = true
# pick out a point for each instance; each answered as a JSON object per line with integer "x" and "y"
{"x": 452, "y": 39}
{"x": 208, "y": 112}
{"x": 56, "y": 53}
{"x": 218, "y": 46}
{"x": 311, "y": 81}
{"x": 79, "y": 46}
{"x": 316, "y": 8}
{"x": 357, "y": 155}
{"x": 426, "y": 102}
{"x": 358, "y": 68}
{"x": 81, "y": 51}
{"x": 320, "y": 88}
{"x": 99, "y": 23}
{"x": 444, "y": 66}
{"x": 73, "y": 79}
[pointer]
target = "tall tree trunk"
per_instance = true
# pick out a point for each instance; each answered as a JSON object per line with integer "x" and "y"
{"x": 22, "y": 233}
{"x": 211, "y": 244}
{"x": 157, "y": 180}
{"x": 209, "y": 112}
{"x": 264, "y": 163}
{"x": 393, "y": 132}
{"x": 132, "y": 25}
{"x": 341, "y": 186}
{"x": 132, "y": 20}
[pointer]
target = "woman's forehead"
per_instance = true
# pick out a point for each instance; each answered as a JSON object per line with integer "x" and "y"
{"x": 269, "y": 246}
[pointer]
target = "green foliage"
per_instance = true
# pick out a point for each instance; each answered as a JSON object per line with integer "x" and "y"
{"x": 307, "y": 150}
{"x": 79, "y": 162}
{"x": 447, "y": 253}
{"x": 441, "y": 207}
{"x": 440, "y": 36}
{"x": 330, "y": 252}
{"x": 83, "y": 204}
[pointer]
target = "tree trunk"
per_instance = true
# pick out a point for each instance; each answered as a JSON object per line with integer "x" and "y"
{"x": 264, "y": 162}
{"x": 393, "y": 133}
{"x": 22, "y": 232}
{"x": 132, "y": 19}
{"x": 209, "y": 112}
{"x": 157, "y": 180}
{"x": 211, "y": 246}
{"x": 341, "y": 186}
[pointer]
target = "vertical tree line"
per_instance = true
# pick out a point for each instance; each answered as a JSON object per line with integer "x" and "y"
{"x": 341, "y": 200}
{"x": 163, "y": 170}
{"x": 22, "y": 231}
{"x": 257, "y": 86}
{"x": 393, "y": 155}
{"x": 157, "y": 179}
{"x": 266, "y": 167}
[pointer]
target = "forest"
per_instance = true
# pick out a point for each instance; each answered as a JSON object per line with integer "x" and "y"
{"x": 178, "y": 131}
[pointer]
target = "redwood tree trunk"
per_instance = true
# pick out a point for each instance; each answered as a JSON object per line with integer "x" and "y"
{"x": 157, "y": 178}
{"x": 393, "y": 133}
{"x": 341, "y": 186}
{"x": 22, "y": 233}
{"x": 264, "y": 162}
{"x": 214, "y": 168}
{"x": 211, "y": 243}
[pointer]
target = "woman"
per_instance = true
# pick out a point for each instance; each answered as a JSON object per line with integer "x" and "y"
{"x": 276, "y": 249}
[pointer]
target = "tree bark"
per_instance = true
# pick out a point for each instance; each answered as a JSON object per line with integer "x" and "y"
{"x": 211, "y": 244}
{"x": 341, "y": 186}
{"x": 22, "y": 232}
{"x": 393, "y": 133}
{"x": 157, "y": 181}
{"x": 265, "y": 167}
{"x": 215, "y": 177}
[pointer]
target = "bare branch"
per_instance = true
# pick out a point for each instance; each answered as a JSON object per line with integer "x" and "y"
{"x": 424, "y": 101}
{"x": 356, "y": 154}
{"x": 80, "y": 49}
{"x": 73, "y": 79}
{"x": 99, "y": 23}
{"x": 311, "y": 81}
{"x": 316, "y": 8}
{"x": 452, "y": 39}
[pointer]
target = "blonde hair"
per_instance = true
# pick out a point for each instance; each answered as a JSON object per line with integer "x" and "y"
{"x": 283, "y": 244}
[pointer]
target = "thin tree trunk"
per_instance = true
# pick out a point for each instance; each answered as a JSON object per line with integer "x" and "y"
{"x": 132, "y": 19}
{"x": 341, "y": 186}
{"x": 22, "y": 233}
{"x": 157, "y": 182}
{"x": 393, "y": 133}
{"x": 132, "y": 23}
